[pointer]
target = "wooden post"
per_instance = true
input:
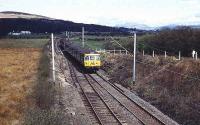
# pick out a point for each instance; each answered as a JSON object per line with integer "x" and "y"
{"x": 165, "y": 54}
{"x": 143, "y": 52}
{"x": 196, "y": 56}
{"x": 114, "y": 51}
{"x": 153, "y": 54}
{"x": 179, "y": 57}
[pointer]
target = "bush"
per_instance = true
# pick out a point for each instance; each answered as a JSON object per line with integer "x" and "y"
{"x": 182, "y": 39}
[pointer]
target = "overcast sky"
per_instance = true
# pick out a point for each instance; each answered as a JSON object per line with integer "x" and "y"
{"x": 112, "y": 12}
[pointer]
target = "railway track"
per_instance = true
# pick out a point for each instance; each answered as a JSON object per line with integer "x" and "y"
{"x": 107, "y": 104}
{"x": 98, "y": 106}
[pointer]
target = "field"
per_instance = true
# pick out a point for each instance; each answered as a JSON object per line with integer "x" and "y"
{"x": 19, "y": 62}
{"x": 92, "y": 43}
{"x": 22, "y": 43}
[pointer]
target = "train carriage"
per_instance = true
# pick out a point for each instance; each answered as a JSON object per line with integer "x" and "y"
{"x": 90, "y": 59}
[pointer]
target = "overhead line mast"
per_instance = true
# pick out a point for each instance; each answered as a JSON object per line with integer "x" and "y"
{"x": 83, "y": 37}
{"x": 134, "y": 58}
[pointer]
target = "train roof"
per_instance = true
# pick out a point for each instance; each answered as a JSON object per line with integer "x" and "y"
{"x": 78, "y": 48}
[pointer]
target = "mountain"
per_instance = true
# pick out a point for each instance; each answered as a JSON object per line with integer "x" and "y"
{"x": 135, "y": 25}
{"x": 12, "y": 14}
{"x": 17, "y": 21}
{"x": 174, "y": 26}
{"x": 195, "y": 26}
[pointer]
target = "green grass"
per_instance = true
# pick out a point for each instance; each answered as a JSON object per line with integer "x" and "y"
{"x": 91, "y": 44}
{"x": 22, "y": 43}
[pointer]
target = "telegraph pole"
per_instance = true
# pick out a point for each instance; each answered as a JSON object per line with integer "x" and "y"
{"x": 83, "y": 30}
{"x": 134, "y": 58}
{"x": 53, "y": 61}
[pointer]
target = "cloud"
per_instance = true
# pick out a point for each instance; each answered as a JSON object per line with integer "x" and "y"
{"x": 197, "y": 15}
{"x": 190, "y": 1}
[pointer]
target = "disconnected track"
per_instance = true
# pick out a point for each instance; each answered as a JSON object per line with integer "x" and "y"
{"x": 108, "y": 103}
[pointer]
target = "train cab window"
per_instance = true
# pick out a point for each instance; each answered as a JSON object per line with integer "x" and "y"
{"x": 86, "y": 57}
{"x": 92, "y": 57}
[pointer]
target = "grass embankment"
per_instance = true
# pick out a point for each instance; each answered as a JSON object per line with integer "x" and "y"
{"x": 43, "y": 111}
{"x": 160, "y": 83}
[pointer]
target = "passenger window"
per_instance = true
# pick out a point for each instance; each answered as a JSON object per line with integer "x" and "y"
{"x": 92, "y": 58}
{"x": 86, "y": 57}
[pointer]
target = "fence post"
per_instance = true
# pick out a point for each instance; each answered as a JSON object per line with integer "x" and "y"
{"x": 179, "y": 57}
{"x": 114, "y": 51}
{"x": 196, "y": 56}
{"x": 165, "y": 54}
{"x": 153, "y": 54}
{"x": 120, "y": 51}
{"x": 126, "y": 52}
{"x": 143, "y": 52}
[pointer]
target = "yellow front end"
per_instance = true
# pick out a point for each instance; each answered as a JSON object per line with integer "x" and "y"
{"x": 92, "y": 60}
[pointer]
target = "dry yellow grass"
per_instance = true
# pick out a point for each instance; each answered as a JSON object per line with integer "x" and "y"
{"x": 18, "y": 72}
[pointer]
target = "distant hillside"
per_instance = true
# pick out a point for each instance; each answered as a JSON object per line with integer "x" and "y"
{"x": 17, "y": 21}
{"x": 135, "y": 25}
{"x": 11, "y": 14}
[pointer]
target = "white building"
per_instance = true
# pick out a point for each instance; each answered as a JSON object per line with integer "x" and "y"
{"x": 19, "y": 33}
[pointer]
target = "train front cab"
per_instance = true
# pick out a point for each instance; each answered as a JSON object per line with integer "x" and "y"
{"x": 92, "y": 61}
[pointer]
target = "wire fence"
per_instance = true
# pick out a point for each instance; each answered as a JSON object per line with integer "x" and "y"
{"x": 112, "y": 51}
{"x": 165, "y": 55}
